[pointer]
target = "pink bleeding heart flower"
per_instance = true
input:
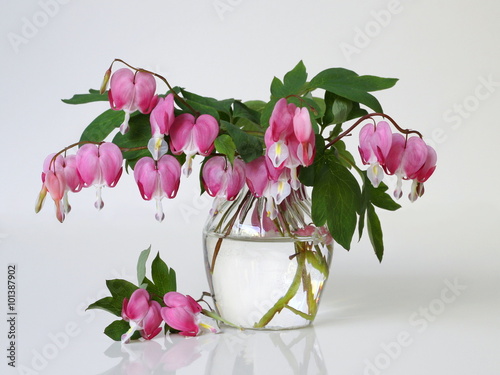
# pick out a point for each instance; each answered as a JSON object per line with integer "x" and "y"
{"x": 423, "y": 174}
{"x": 374, "y": 145}
{"x": 190, "y": 135}
{"x": 158, "y": 179}
{"x": 405, "y": 158}
{"x": 99, "y": 165}
{"x": 131, "y": 92}
{"x": 257, "y": 176}
{"x": 281, "y": 120}
{"x": 59, "y": 176}
{"x": 181, "y": 313}
{"x": 161, "y": 119}
{"x": 143, "y": 314}
{"x": 304, "y": 134}
{"x": 221, "y": 179}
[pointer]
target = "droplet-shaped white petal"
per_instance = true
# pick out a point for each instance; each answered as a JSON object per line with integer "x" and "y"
{"x": 278, "y": 153}
{"x": 157, "y": 147}
{"x": 375, "y": 174}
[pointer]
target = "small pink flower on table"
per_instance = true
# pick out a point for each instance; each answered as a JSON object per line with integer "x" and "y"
{"x": 191, "y": 136}
{"x": 131, "y": 92}
{"x": 99, "y": 165}
{"x": 158, "y": 179}
{"x": 183, "y": 313}
{"x": 143, "y": 314}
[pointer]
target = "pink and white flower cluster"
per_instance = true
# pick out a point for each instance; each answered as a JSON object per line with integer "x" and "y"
{"x": 181, "y": 312}
{"x": 99, "y": 165}
{"x": 407, "y": 158}
{"x": 290, "y": 143}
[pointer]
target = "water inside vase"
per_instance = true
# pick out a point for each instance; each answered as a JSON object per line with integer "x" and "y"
{"x": 256, "y": 281}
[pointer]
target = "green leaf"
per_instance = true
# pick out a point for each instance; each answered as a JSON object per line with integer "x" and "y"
{"x": 248, "y": 146}
{"x": 163, "y": 277}
{"x": 349, "y": 85}
{"x": 267, "y": 112}
{"x": 241, "y": 110}
{"x": 92, "y": 96}
{"x": 381, "y": 199}
{"x": 109, "y": 304}
{"x": 335, "y": 199}
{"x": 224, "y": 145}
{"x": 137, "y": 137}
{"x": 307, "y": 174}
{"x": 256, "y": 105}
{"x": 340, "y": 109}
{"x": 102, "y": 126}
{"x": 277, "y": 88}
{"x": 116, "y": 329}
{"x": 141, "y": 265}
{"x": 295, "y": 79}
{"x": 223, "y": 106}
{"x": 120, "y": 288}
{"x": 375, "y": 232}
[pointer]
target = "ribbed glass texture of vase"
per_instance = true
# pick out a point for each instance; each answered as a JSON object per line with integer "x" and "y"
{"x": 264, "y": 272}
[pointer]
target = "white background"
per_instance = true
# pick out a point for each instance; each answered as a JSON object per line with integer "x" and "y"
{"x": 446, "y": 56}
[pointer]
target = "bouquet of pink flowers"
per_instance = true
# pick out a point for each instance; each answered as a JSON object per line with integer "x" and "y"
{"x": 272, "y": 148}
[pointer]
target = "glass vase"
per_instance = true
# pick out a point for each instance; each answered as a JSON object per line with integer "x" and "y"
{"x": 266, "y": 271}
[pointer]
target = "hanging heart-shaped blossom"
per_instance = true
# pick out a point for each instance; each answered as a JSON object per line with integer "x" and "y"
{"x": 190, "y": 135}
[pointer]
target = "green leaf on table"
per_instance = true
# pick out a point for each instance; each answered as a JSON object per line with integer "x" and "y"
{"x": 335, "y": 199}
{"x": 375, "y": 232}
{"x": 102, "y": 126}
{"x": 92, "y": 96}
{"x": 248, "y": 146}
{"x": 224, "y": 145}
{"x": 120, "y": 288}
{"x": 118, "y": 328}
{"x": 109, "y": 304}
{"x": 141, "y": 265}
{"x": 163, "y": 276}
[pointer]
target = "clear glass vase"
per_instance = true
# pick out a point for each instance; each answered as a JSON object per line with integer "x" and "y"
{"x": 266, "y": 273}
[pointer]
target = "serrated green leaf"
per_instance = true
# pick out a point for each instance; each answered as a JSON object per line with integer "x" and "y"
{"x": 335, "y": 199}
{"x": 117, "y": 329}
{"x": 109, "y": 304}
{"x": 375, "y": 232}
{"x": 120, "y": 288}
{"x": 102, "y": 126}
{"x": 141, "y": 265}
{"x": 248, "y": 146}
{"x": 224, "y": 145}
{"x": 92, "y": 96}
{"x": 163, "y": 277}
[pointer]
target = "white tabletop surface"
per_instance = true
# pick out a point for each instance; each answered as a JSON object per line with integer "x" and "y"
{"x": 431, "y": 307}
